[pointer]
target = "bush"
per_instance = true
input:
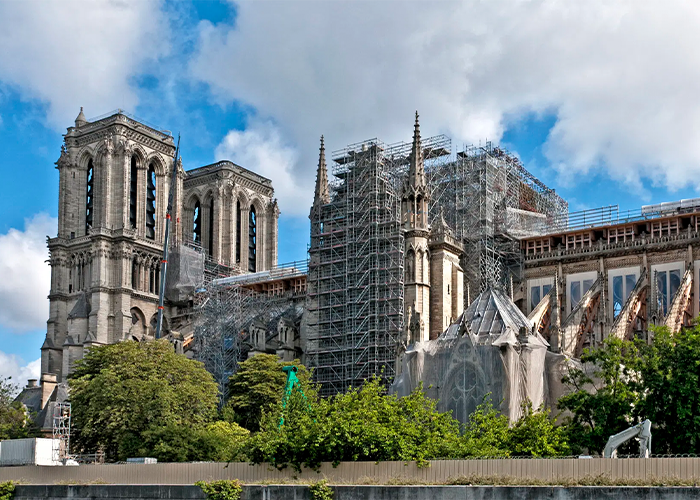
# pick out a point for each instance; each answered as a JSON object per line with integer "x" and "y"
{"x": 221, "y": 490}
{"x": 320, "y": 490}
{"x": 7, "y": 490}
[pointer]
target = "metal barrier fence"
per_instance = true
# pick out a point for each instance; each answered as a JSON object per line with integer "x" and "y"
{"x": 438, "y": 472}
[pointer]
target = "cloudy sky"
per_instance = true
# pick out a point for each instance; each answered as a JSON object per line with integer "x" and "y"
{"x": 599, "y": 99}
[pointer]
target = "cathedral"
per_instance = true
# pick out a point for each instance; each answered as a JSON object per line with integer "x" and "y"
{"x": 115, "y": 179}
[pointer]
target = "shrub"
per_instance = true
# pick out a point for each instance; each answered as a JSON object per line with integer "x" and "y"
{"x": 7, "y": 490}
{"x": 221, "y": 490}
{"x": 320, "y": 490}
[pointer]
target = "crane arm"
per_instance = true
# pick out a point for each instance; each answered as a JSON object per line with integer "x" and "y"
{"x": 641, "y": 431}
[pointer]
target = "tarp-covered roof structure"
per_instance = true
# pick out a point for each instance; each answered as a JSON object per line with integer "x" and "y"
{"x": 492, "y": 350}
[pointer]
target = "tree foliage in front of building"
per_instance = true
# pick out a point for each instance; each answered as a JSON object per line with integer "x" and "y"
{"x": 366, "y": 424}
{"x": 135, "y": 399}
{"x": 257, "y": 386}
{"x": 14, "y": 420}
{"x": 625, "y": 382}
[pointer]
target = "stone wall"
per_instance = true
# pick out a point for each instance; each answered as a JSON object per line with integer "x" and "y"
{"x": 299, "y": 492}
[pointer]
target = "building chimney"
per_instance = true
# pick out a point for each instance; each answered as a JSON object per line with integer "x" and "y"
{"x": 48, "y": 384}
{"x": 31, "y": 383}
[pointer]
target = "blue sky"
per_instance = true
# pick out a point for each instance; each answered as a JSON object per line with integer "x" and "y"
{"x": 599, "y": 100}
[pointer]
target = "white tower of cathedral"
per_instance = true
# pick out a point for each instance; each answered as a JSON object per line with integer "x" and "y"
{"x": 414, "y": 216}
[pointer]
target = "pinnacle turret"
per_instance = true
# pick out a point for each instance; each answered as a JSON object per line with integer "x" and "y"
{"x": 80, "y": 119}
{"x": 321, "y": 194}
{"x": 416, "y": 172}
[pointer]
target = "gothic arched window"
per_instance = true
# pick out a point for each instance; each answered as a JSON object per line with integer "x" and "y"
{"x": 133, "y": 191}
{"x": 211, "y": 227}
{"x": 252, "y": 239}
{"x": 238, "y": 232}
{"x": 151, "y": 204}
{"x": 197, "y": 224}
{"x": 89, "y": 201}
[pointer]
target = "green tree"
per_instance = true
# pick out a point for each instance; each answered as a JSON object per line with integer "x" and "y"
{"x": 535, "y": 434}
{"x": 362, "y": 424}
{"x": 127, "y": 397}
{"x": 604, "y": 393}
{"x": 669, "y": 372}
{"x": 488, "y": 434}
{"x": 14, "y": 421}
{"x": 485, "y": 434}
{"x": 258, "y": 386}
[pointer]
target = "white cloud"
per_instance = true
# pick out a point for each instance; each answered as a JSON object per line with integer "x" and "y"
{"x": 75, "y": 53}
{"x": 25, "y": 276}
{"x": 14, "y": 367}
{"x": 260, "y": 148}
{"x": 620, "y": 76}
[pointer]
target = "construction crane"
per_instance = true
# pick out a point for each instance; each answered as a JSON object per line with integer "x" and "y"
{"x": 640, "y": 431}
{"x": 292, "y": 383}
{"x": 164, "y": 261}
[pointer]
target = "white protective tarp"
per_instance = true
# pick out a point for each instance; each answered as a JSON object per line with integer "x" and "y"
{"x": 491, "y": 350}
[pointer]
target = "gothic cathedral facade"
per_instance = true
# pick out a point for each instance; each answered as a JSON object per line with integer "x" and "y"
{"x": 114, "y": 180}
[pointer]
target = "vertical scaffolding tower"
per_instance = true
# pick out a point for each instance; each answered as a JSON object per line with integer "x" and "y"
{"x": 355, "y": 297}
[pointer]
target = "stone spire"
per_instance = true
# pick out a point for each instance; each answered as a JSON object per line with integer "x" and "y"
{"x": 80, "y": 120}
{"x": 321, "y": 194}
{"x": 416, "y": 172}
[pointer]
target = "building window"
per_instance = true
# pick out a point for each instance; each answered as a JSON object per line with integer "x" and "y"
{"x": 211, "y": 228}
{"x": 151, "y": 204}
{"x": 668, "y": 280}
{"x": 537, "y": 289}
{"x": 252, "y": 239}
{"x": 197, "y": 224}
{"x": 133, "y": 190}
{"x": 238, "y": 232}
{"x": 89, "y": 197}
{"x": 576, "y": 287}
{"x": 621, "y": 282}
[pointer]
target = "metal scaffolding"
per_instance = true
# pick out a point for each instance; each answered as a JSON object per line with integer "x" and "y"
{"x": 224, "y": 310}
{"x": 492, "y": 202}
{"x": 355, "y": 296}
{"x": 61, "y": 421}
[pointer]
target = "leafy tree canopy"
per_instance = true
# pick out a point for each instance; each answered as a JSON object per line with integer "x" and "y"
{"x": 125, "y": 396}
{"x": 365, "y": 424}
{"x": 258, "y": 385}
{"x": 625, "y": 382}
{"x": 14, "y": 420}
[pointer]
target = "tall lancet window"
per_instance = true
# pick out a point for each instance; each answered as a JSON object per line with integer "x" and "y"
{"x": 252, "y": 239}
{"x": 238, "y": 232}
{"x": 89, "y": 201}
{"x": 133, "y": 192}
{"x": 211, "y": 227}
{"x": 151, "y": 204}
{"x": 197, "y": 227}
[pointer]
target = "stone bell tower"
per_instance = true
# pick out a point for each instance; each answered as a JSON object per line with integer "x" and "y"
{"x": 114, "y": 179}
